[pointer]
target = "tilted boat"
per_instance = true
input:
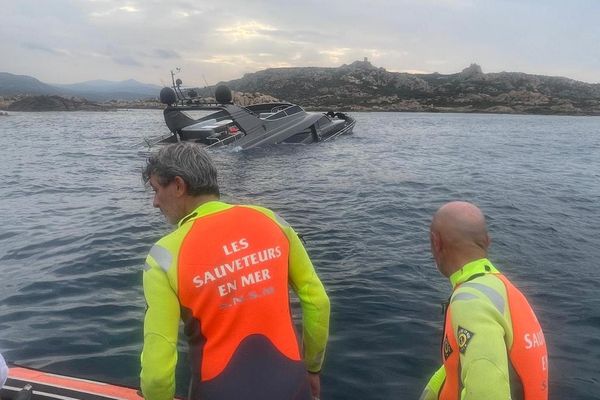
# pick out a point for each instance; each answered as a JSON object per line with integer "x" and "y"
{"x": 249, "y": 126}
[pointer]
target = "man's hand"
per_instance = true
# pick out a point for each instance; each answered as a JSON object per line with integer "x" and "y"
{"x": 315, "y": 385}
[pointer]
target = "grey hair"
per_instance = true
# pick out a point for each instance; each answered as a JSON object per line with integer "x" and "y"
{"x": 186, "y": 160}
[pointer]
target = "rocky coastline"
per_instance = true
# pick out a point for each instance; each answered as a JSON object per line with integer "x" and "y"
{"x": 360, "y": 86}
{"x": 53, "y": 103}
{"x": 59, "y": 103}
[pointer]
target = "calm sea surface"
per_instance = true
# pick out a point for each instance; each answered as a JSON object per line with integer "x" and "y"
{"x": 77, "y": 223}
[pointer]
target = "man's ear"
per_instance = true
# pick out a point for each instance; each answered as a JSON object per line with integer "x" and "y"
{"x": 180, "y": 186}
{"x": 436, "y": 242}
{"x": 488, "y": 241}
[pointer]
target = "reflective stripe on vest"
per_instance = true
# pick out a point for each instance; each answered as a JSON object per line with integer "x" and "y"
{"x": 528, "y": 353}
{"x": 233, "y": 276}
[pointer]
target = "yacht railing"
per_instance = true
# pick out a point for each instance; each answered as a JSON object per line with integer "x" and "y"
{"x": 227, "y": 140}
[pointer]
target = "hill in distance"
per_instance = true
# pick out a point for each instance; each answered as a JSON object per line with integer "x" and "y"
{"x": 96, "y": 90}
{"x": 12, "y": 85}
{"x": 360, "y": 86}
{"x": 102, "y": 90}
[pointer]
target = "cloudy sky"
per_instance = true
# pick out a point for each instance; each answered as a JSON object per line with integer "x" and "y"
{"x": 66, "y": 41}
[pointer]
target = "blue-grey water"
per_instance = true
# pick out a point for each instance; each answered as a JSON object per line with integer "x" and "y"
{"x": 77, "y": 223}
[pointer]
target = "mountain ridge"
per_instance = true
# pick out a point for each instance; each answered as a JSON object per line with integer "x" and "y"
{"x": 93, "y": 90}
{"x": 361, "y": 86}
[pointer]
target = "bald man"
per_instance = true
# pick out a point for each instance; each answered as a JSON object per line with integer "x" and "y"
{"x": 493, "y": 346}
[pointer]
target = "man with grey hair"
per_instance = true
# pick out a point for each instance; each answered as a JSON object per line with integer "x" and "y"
{"x": 225, "y": 272}
{"x": 493, "y": 347}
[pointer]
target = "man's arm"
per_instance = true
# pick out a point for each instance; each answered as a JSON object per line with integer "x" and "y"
{"x": 478, "y": 329}
{"x": 161, "y": 325}
{"x": 313, "y": 300}
{"x": 3, "y": 371}
{"x": 432, "y": 390}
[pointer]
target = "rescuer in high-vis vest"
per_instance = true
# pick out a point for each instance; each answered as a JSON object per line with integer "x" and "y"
{"x": 225, "y": 272}
{"x": 493, "y": 347}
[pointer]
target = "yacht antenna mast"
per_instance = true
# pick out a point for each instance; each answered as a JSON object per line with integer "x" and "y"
{"x": 177, "y": 70}
{"x": 208, "y": 87}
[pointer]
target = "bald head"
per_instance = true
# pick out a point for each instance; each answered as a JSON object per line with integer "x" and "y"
{"x": 461, "y": 222}
{"x": 458, "y": 235}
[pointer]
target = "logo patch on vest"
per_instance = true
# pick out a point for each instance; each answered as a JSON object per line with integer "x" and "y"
{"x": 447, "y": 348}
{"x": 463, "y": 337}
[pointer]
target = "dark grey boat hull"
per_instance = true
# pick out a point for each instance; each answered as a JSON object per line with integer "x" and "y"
{"x": 257, "y": 125}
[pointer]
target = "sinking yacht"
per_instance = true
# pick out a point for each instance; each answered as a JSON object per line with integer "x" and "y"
{"x": 249, "y": 126}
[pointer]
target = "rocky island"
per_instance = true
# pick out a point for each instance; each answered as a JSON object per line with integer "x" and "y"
{"x": 54, "y": 103}
{"x": 360, "y": 86}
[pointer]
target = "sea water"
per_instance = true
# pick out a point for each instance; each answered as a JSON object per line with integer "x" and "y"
{"x": 77, "y": 223}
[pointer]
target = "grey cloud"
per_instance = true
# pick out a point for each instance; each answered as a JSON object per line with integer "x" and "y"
{"x": 126, "y": 60}
{"x": 166, "y": 54}
{"x": 40, "y": 47}
{"x": 397, "y": 35}
{"x": 298, "y": 35}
